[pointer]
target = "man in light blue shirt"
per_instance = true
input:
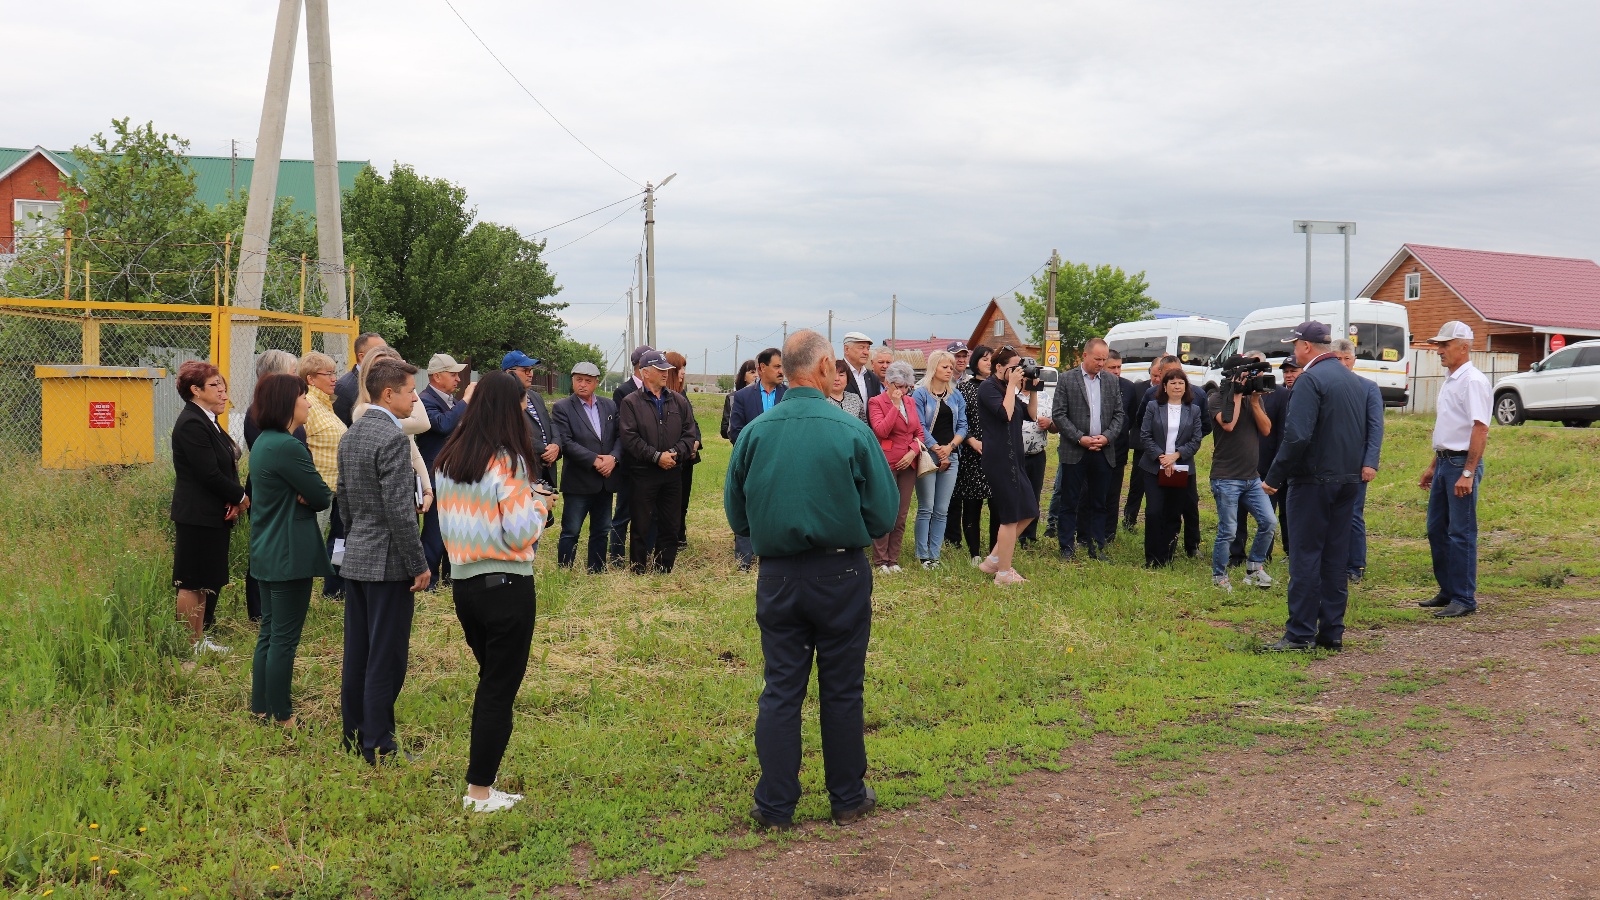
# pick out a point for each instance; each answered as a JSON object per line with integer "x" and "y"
{"x": 749, "y": 402}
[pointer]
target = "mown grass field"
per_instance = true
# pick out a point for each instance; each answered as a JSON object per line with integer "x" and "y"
{"x": 123, "y": 774}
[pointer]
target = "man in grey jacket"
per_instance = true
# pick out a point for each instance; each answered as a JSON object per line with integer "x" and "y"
{"x": 1089, "y": 413}
{"x": 383, "y": 564}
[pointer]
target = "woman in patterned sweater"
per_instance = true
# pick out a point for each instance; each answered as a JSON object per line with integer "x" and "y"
{"x": 491, "y": 516}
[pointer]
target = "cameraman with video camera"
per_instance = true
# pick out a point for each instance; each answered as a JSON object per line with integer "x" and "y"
{"x": 1241, "y": 421}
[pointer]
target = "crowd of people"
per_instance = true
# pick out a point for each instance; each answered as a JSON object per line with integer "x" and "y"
{"x": 342, "y": 467}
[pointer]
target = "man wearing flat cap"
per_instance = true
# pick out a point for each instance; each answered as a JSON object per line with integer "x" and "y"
{"x": 1324, "y": 447}
{"x": 622, "y": 513}
{"x": 659, "y": 433}
{"x": 546, "y": 440}
{"x": 863, "y": 381}
{"x": 592, "y": 445}
{"x": 444, "y": 411}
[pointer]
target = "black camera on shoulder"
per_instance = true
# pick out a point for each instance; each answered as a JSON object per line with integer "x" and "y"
{"x": 1244, "y": 375}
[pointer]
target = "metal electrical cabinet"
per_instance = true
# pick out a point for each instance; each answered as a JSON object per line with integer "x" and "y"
{"x": 97, "y": 415}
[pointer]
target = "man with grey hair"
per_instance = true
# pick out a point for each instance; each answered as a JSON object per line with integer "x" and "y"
{"x": 809, "y": 486}
{"x": 1345, "y": 349}
{"x": 1453, "y": 476}
{"x": 881, "y": 358}
{"x": 1324, "y": 443}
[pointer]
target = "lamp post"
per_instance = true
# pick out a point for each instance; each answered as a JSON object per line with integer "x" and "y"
{"x": 1308, "y": 227}
{"x": 650, "y": 255}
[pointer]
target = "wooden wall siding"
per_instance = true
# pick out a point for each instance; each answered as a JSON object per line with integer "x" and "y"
{"x": 1528, "y": 347}
{"x": 37, "y": 179}
{"x": 984, "y": 334}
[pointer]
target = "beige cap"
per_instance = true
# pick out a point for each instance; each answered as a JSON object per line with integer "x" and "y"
{"x": 444, "y": 362}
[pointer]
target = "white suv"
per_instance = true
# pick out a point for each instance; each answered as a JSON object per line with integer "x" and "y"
{"x": 1565, "y": 387}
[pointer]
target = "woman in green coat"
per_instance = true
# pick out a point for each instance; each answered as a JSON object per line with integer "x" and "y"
{"x": 286, "y": 549}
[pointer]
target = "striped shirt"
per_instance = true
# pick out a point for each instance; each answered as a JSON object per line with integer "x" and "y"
{"x": 492, "y": 525}
{"x": 323, "y": 431}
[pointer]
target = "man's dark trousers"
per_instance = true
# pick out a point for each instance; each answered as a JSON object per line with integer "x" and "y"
{"x": 1113, "y": 503}
{"x": 657, "y": 503}
{"x": 433, "y": 546}
{"x": 1083, "y": 484}
{"x": 377, "y": 640}
{"x": 575, "y": 508}
{"x": 816, "y": 601}
{"x": 620, "y": 517}
{"x": 333, "y": 585}
{"x": 1319, "y": 553}
{"x": 1191, "y": 517}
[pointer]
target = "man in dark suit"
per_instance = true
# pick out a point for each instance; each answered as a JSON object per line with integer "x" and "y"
{"x": 1120, "y": 447}
{"x": 622, "y": 513}
{"x": 546, "y": 440}
{"x": 444, "y": 411}
{"x": 749, "y": 402}
{"x": 1345, "y": 349}
{"x": 383, "y": 564}
{"x": 348, "y": 387}
{"x": 1088, "y": 414}
{"x": 1324, "y": 445}
{"x": 862, "y": 381}
{"x": 659, "y": 433}
{"x": 593, "y": 448}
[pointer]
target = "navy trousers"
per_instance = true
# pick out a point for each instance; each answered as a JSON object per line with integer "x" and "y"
{"x": 1319, "y": 555}
{"x": 377, "y": 640}
{"x": 433, "y": 546}
{"x": 333, "y": 585}
{"x": 818, "y": 603}
{"x": 1083, "y": 498}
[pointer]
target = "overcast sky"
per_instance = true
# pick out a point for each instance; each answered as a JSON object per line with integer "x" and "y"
{"x": 830, "y": 153}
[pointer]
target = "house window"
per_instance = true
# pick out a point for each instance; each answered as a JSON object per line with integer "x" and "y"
{"x": 1414, "y": 286}
{"x": 999, "y": 327}
{"x": 35, "y": 216}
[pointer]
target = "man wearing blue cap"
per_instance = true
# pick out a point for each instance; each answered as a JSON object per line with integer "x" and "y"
{"x": 1324, "y": 447}
{"x": 546, "y": 440}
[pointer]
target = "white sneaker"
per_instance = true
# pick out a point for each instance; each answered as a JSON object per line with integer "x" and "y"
{"x": 1258, "y": 578}
{"x": 1222, "y": 582}
{"x": 930, "y": 564}
{"x": 207, "y": 645}
{"x": 497, "y": 801}
{"x": 977, "y": 560}
{"x": 896, "y": 569}
{"x": 884, "y": 570}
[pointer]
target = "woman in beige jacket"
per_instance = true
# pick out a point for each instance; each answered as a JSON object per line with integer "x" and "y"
{"x": 412, "y": 425}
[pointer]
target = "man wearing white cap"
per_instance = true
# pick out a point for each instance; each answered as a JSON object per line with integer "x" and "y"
{"x": 444, "y": 411}
{"x": 1460, "y": 432}
{"x": 863, "y": 382}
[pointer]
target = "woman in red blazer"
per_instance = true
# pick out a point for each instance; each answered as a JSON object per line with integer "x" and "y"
{"x": 894, "y": 420}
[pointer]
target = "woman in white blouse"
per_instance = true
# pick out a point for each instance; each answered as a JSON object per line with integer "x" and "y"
{"x": 1168, "y": 441}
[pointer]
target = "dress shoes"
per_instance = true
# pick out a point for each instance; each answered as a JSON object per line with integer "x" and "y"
{"x": 1331, "y": 646}
{"x": 1455, "y": 610}
{"x": 1438, "y": 600}
{"x": 763, "y": 822}
{"x": 1284, "y": 645}
{"x": 846, "y": 816}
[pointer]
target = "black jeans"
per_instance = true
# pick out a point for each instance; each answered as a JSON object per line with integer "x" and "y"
{"x": 972, "y": 521}
{"x": 1130, "y": 512}
{"x": 333, "y": 585}
{"x": 1191, "y": 514}
{"x": 498, "y": 621}
{"x": 577, "y": 507}
{"x": 1319, "y": 558}
{"x": 1113, "y": 504}
{"x": 1033, "y": 467}
{"x": 817, "y": 602}
{"x": 1163, "y": 513}
{"x": 377, "y": 641}
{"x": 621, "y": 515}
{"x": 1083, "y": 493}
{"x": 433, "y": 547}
{"x": 658, "y": 513}
{"x": 953, "y": 528}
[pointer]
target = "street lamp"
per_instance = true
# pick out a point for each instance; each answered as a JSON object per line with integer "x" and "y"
{"x": 1308, "y": 227}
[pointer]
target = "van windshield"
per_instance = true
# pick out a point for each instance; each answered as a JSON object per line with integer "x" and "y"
{"x": 1140, "y": 350}
{"x": 1269, "y": 342}
{"x": 1382, "y": 343}
{"x": 1198, "y": 350}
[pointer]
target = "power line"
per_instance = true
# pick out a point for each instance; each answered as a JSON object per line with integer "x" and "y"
{"x": 525, "y": 90}
{"x": 601, "y": 312}
{"x": 586, "y": 234}
{"x": 584, "y": 216}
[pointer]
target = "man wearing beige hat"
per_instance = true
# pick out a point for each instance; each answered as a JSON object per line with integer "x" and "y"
{"x": 863, "y": 381}
{"x": 1460, "y": 433}
{"x": 444, "y": 411}
{"x": 592, "y": 445}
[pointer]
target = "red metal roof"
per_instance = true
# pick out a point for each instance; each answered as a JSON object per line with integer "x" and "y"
{"x": 927, "y": 346}
{"x": 1541, "y": 291}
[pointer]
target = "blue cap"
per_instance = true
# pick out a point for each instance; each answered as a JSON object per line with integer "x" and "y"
{"x": 516, "y": 359}
{"x": 1313, "y": 331}
{"x": 654, "y": 359}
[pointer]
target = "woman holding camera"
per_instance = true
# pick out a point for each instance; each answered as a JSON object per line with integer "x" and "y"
{"x": 943, "y": 412}
{"x": 899, "y": 430}
{"x": 1168, "y": 440}
{"x": 1013, "y": 503}
{"x": 491, "y": 516}
{"x": 286, "y": 549}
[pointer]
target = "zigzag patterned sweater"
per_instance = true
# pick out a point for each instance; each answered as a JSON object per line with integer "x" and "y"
{"x": 492, "y": 525}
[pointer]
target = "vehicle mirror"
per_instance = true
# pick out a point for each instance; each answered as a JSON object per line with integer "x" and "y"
{"x": 1537, "y": 367}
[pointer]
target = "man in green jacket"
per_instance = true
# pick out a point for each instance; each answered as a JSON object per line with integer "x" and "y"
{"x": 809, "y": 486}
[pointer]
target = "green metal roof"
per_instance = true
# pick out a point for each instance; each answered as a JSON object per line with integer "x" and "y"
{"x": 215, "y": 176}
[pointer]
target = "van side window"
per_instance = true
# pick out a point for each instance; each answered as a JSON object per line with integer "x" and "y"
{"x": 1197, "y": 350}
{"x": 1140, "y": 350}
{"x": 1380, "y": 343}
{"x": 1269, "y": 342}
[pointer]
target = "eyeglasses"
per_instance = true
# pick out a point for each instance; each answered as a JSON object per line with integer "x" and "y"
{"x": 328, "y": 374}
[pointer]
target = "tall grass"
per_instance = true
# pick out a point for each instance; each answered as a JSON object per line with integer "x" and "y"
{"x": 633, "y": 732}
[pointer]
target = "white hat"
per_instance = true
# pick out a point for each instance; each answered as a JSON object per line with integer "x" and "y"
{"x": 856, "y": 337}
{"x": 584, "y": 367}
{"x": 1452, "y": 331}
{"x": 444, "y": 362}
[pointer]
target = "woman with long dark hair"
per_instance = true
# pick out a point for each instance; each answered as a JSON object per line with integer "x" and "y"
{"x": 1169, "y": 437}
{"x": 206, "y": 498}
{"x": 972, "y": 486}
{"x": 286, "y": 549}
{"x": 747, "y": 374}
{"x": 1014, "y": 503}
{"x": 491, "y": 515}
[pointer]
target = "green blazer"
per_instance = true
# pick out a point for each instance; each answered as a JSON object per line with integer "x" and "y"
{"x": 285, "y": 542}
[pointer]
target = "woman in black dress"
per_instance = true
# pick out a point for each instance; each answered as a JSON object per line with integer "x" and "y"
{"x": 1013, "y": 503}
{"x": 972, "y": 486}
{"x": 206, "y": 497}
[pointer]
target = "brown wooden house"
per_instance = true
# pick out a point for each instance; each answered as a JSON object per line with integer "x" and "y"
{"x": 997, "y": 328}
{"x": 1514, "y": 302}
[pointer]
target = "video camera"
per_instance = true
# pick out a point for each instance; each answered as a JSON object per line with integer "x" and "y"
{"x": 1244, "y": 375}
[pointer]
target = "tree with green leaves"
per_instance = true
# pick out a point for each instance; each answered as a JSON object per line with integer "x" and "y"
{"x": 1088, "y": 302}
{"x": 443, "y": 282}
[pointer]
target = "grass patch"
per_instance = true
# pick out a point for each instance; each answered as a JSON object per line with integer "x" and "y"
{"x": 633, "y": 733}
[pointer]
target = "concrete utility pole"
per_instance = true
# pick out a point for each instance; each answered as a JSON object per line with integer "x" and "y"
{"x": 1052, "y": 324}
{"x": 233, "y": 168}
{"x": 650, "y": 254}
{"x": 830, "y": 327}
{"x": 639, "y": 333}
{"x": 785, "y": 334}
{"x": 627, "y": 333}
{"x": 736, "y": 361}
{"x": 894, "y": 316}
{"x": 325, "y": 162}
{"x": 705, "y": 362}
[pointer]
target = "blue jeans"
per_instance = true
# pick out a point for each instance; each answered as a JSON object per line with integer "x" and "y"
{"x": 933, "y": 508}
{"x": 1453, "y": 531}
{"x": 1231, "y": 494}
{"x": 1358, "y": 534}
{"x": 575, "y": 508}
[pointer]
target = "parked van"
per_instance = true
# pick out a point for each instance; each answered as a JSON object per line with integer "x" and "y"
{"x": 1192, "y": 339}
{"x": 1382, "y": 334}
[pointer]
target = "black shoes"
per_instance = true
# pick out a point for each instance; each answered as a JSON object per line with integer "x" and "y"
{"x": 1455, "y": 610}
{"x": 845, "y": 817}
{"x": 1284, "y": 645}
{"x": 1065, "y": 555}
{"x": 1437, "y": 601}
{"x": 761, "y": 820}
{"x": 1331, "y": 646}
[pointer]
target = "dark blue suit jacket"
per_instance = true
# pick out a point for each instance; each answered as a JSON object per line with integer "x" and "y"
{"x": 1325, "y": 433}
{"x": 580, "y": 445}
{"x": 746, "y": 406}
{"x": 441, "y": 422}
